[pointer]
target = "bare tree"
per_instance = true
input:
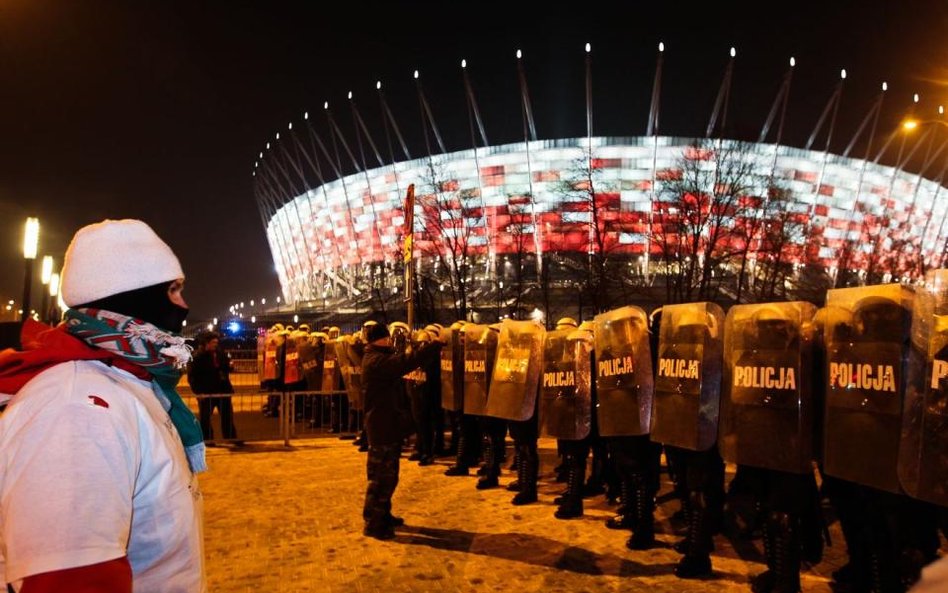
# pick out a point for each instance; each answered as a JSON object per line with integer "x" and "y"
{"x": 450, "y": 218}
{"x": 703, "y": 220}
{"x": 592, "y": 198}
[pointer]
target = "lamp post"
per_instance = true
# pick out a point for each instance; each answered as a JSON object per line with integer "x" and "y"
{"x": 30, "y": 243}
{"x": 52, "y": 314}
{"x": 46, "y": 275}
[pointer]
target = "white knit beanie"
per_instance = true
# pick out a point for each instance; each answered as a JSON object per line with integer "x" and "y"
{"x": 115, "y": 256}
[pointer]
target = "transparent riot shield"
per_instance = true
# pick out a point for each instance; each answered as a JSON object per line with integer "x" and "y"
{"x": 866, "y": 332}
{"x": 452, "y": 371}
{"x": 261, "y": 356}
{"x": 480, "y": 346}
{"x": 688, "y": 376}
{"x": 292, "y": 371}
{"x": 923, "y": 450}
{"x": 566, "y": 385}
{"x": 623, "y": 372}
{"x": 272, "y": 362}
{"x": 350, "y": 360}
{"x": 767, "y": 415}
{"x": 310, "y": 364}
{"x": 329, "y": 381}
{"x": 416, "y": 380}
{"x": 516, "y": 376}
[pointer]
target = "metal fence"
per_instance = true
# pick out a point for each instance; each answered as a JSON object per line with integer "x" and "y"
{"x": 261, "y": 415}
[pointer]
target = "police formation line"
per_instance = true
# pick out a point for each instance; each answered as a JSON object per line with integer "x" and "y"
{"x": 850, "y": 396}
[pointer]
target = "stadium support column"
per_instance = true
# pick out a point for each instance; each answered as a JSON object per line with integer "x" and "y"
{"x": 474, "y": 116}
{"x": 722, "y": 100}
{"x": 873, "y": 116}
{"x": 593, "y": 214}
{"x": 530, "y": 133}
{"x": 652, "y": 131}
{"x": 831, "y": 105}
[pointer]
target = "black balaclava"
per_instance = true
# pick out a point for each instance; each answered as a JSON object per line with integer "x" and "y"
{"x": 150, "y": 304}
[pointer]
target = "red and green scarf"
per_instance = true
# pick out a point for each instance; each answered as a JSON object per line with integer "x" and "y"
{"x": 132, "y": 345}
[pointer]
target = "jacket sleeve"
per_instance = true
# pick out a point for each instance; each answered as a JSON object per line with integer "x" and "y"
{"x": 401, "y": 364}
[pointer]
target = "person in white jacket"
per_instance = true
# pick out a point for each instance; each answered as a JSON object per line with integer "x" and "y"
{"x": 98, "y": 453}
{"x": 934, "y": 578}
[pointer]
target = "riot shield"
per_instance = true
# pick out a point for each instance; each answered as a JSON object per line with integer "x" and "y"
{"x": 310, "y": 364}
{"x": 351, "y": 369}
{"x": 273, "y": 361}
{"x": 623, "y": 372}
{"x": 480, "y": 346}
{"x": 516, "y": 376}
{"x": 767, "y": 415}
{"x": 866, "y": 334}
{"x": 293, "y": 370}
{"x": 261, "y": 355}
{"x": 923, "y": 450}
{"x": 688, "y": 376}
{"x": 452, "y": 381}
{"x": 329, "y": 381}
{"x": 566, "y": 386}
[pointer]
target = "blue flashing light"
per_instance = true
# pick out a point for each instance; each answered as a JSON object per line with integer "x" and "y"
{"x": 233, "y": 327}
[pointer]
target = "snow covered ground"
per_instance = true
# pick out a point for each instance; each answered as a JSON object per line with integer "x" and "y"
{"x": 289, "y": 520}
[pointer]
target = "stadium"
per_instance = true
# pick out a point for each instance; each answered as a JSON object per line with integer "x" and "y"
{"x": 713, "y": 218}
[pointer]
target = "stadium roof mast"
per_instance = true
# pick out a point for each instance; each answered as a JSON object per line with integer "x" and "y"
{"x": 279, "y": 205}
{"x": 388, "y": 118}
{"x": 336, "y": 169}
{"x": 652, "y": 130}
{"x": 295, "y": 162}
{"x": 266, "y": 213}
{"x": 529, "y": 133}
{"x": 722, "y": 100}
{"x": 474, "y": 115}
{"x": 334, "y": 129}
{"x": 589, "y": 148}
{"x": 314, "y": 165}
{"x": 930, "y": 158}
{"x": 831, "y": 105}
{"x": 873, "y": 115}
{"x": 297, "y": 190}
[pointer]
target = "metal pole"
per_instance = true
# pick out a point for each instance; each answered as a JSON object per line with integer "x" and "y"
{"x": 27, "y": 287}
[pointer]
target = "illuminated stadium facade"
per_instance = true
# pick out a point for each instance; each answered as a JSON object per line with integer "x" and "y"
{"x": 358, "y": 220}
{"x": 641, "y": 212}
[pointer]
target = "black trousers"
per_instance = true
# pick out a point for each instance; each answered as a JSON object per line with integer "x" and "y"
{"x": 382, "y": 473}
{"x": 225, "y": 408}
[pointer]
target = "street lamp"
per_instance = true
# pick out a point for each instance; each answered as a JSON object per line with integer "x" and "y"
{"x": 53, "y": 295}
{"x": 46, "y": 275}
{"x": 30, "y": 243}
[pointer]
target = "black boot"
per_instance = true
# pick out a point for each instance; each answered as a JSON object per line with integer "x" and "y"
{"x": 572, "y": 503}
{"x": 698, "y": 544}
{"x": 764, "y": 582}
{"x": 786, "y": 553}
{"x": 491, "y": 469}
{"x": 527, "y": 473}
{"x": 515, "y": 486}
{"x": 625, "y": 517}
{"x": 460, "y": 467}
{"x": 595, "y": 485}
{"x": 643, "y": 530}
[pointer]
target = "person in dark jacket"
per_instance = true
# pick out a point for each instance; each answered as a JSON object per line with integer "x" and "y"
{"x": 210, "y": 374}
{"x": 386, "y": 423}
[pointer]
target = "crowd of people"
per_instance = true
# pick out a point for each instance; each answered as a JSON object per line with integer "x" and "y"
{"x": 833, "y": 409}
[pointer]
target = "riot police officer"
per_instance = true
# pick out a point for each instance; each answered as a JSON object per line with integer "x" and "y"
{"x": 767, "y": 424}
{"x": 624, "y": 390}
{"x": 685, "y": 418}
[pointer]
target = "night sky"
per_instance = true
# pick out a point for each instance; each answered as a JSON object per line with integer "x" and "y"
{"x": 157, "y": 110}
